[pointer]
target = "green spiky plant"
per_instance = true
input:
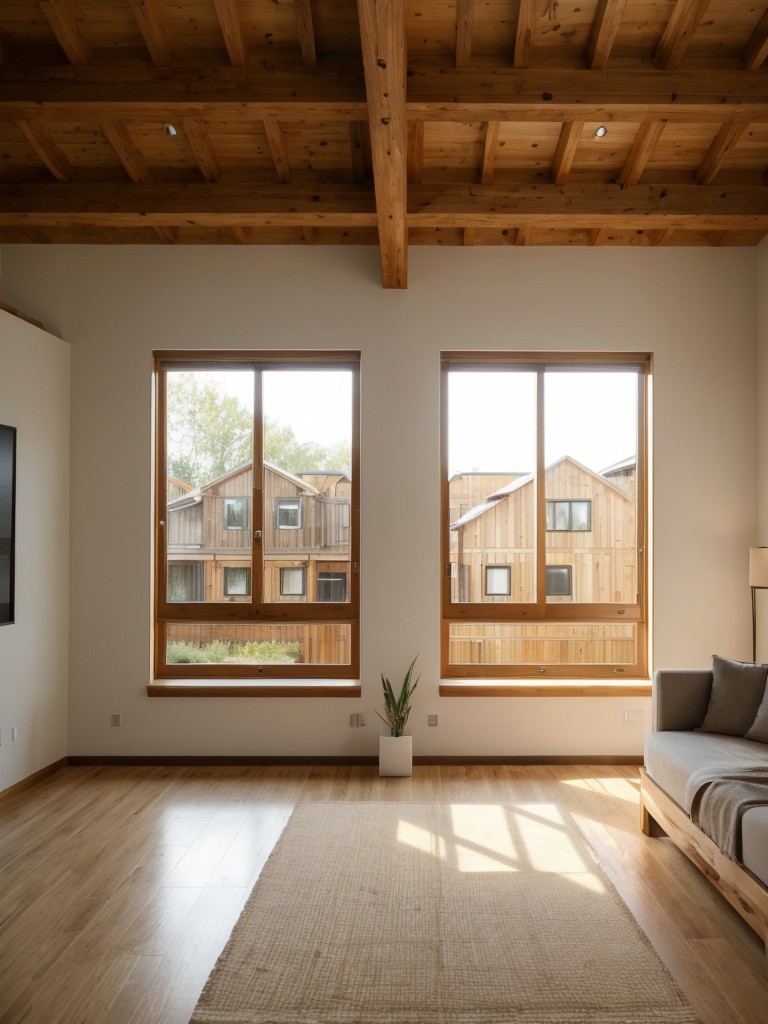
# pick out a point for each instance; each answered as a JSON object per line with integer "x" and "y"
{"x": 397, "y": 707}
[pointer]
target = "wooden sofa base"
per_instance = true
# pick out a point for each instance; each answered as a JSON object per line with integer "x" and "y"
{"x": 742, "y": 891}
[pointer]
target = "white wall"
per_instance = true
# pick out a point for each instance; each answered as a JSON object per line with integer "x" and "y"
{"x": 34, "y": 650}
{"x": 761, "y": 536}
{"x": 695, "y": 309}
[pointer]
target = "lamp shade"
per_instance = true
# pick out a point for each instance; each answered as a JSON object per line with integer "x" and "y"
{"x": 758, "y": 567}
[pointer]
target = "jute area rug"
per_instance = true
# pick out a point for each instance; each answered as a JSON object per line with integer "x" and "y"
{"x": 399, "y": 913}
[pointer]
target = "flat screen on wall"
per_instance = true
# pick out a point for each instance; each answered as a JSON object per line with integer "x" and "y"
{"x": 7, "y": 521}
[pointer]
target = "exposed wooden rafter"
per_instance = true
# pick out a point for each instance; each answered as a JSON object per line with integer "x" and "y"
{"x": 309, "y": 123}
{"x": 65, "y": 28}
{"x": 154, "y": 32}
{"x": 382, "y": 33}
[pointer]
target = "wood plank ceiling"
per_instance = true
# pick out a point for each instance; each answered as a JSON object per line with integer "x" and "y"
{"x": 389, "y": 122}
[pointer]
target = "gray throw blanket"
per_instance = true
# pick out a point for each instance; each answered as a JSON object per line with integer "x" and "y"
{"x": 718, "y": 798}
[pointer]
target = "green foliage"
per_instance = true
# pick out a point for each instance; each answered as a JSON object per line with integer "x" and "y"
{"x": 179, "y": 652}
{"x": 211, "y": 433}
{"x": 219, "y": 652}
{"x": 397, "y": 706}
{"x": 283, "y": 449}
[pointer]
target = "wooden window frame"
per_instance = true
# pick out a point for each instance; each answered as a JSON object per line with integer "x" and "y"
{"x": 459, "y": 678}
{"x": 212, "y": 680}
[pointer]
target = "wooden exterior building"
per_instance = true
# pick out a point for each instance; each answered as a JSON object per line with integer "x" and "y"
{"x": 305, "y": 544}
{"x": 591, "y": 540}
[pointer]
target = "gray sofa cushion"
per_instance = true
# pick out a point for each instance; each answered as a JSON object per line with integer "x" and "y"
{"x": 737, "y": 691}
{"x": 759, "y": 728}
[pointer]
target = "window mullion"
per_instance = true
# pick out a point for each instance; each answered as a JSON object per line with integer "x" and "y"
{"x": 540, "y": 504}
{"x": 257, "y": 501}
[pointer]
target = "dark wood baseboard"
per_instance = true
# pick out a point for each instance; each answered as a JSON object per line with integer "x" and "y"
{"x": 341, "y": 761}
{"x": 32, "y": 780}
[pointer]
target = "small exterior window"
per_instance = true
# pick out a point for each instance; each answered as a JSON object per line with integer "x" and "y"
{"x": 293, "y": 581}
{"x": 559, "y": 580}
{"x": 288, "y": 513}
{"x": 237, "y": 581}
{"x": 235, "y": 513}
{"x": 498, "y": 581}
{"x": 331, "y": 586}
{"x": 186, "y": 581}
{"x": 570, "y": 516}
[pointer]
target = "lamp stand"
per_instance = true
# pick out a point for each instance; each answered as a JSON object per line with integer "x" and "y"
{"x": 754, "y": 626}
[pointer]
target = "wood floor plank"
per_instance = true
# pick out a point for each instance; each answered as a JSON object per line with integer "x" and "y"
{"x": 121, "y": 884}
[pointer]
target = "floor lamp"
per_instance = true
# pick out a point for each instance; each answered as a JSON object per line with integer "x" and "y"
{"x": 758, "y": 580}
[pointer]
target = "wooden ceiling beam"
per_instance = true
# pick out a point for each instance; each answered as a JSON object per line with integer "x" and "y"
{"x": 756, "y": 49}
{"x": 382, "y": 34}
{"x": 339, "y": 94}
{"x": 465, "y": 13}
{"x": 168, "y": 205}
{"x": 567, "y": 144}
{"x": 680, "y": 29}
{"x": 50, "y": 153}
{"x": 642, "y": 149}
{"x": 582, "y": 207}
{"x": 526, "y": 26}
{"x": 68, "y": 35}
{"x": 119, "y": 138}
{"x": 229, "y": 22}
{"x": 722, "y": 144}
{"x": 490, "y": 148}
{"x": 278, "y": 148}
{"x": 605, "y": 28}
{"x": 154, "y": 33}
{"x": 200, "y": 143}
{"x": 306, "y": 30}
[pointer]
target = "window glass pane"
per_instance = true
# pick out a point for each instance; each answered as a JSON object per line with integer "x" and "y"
{"x": 558, "y": 580}
{"x": 209, "y": 444}
{"x": 331, "y": 586}
{"x": 237, "y": 582}
{"x": 293, "y": 581}
{"x": 538, "y": 644}
{"x": 497, "y": 579}
{"x": 307, "y": 476}
{"x": 186, "y": 581}
{"x": 590, "y": 444}
{"x": 251, "y": 644}
{"x": 491, "y": 460}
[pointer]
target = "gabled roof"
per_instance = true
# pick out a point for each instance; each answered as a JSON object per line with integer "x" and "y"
{"x": 504, "y": 492}
{"x": 194, "y": 497}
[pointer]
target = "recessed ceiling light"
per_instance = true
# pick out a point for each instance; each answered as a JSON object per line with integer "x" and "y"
{"x": 600, "y": 131}
{"x": 170, "y": 130}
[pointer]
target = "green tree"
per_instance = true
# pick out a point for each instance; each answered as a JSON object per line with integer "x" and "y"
{"x": 210, "y": 433}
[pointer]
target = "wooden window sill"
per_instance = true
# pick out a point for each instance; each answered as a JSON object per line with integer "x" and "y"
{"x": 553, "y": 688}
{"x": 252, "y": 688}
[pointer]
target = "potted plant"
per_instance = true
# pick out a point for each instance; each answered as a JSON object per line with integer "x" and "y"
{"x": 396, "y": 749}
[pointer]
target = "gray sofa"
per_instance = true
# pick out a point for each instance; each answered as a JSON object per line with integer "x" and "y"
{"x": 685, "y": 761}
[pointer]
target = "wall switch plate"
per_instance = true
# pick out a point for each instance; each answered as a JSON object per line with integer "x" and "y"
{"x": 114, "y": 720}
{"x": 14, "y": 733}
{"x": 431, "y": 719}
{"x": 354, "y": 721}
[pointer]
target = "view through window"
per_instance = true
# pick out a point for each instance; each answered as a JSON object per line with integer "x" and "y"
{"x": 544, "y": 518}
{"x": 257, "y": 488}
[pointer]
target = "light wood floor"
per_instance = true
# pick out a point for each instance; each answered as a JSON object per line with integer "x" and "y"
{"x": 119, "y": 886}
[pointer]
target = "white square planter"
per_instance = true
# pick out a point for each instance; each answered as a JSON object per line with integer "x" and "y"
{"x": 395, "y": 755}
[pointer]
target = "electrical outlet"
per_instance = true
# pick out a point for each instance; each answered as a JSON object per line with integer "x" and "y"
{"x": 431, "y": 719}
{"x": 115, "y": 720}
